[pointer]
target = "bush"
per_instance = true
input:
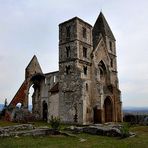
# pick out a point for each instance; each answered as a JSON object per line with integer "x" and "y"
{"x": 2, "y": 113}
{"x": 125, "y": 130}
{"x": 55, "y": 123}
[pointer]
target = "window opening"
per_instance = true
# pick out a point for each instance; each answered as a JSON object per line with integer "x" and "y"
{"x": 68, "y": 51}
{"x": 84, "y": 52}
{"x": 85, "y": 70}
{"x": 30, "y": 99}
{"x": 68, "y": 28}
{"x": 86, "y": 87}
{"x": 84, "y": 32}
{"x": 68, "y": 69}
{"x": 54, "y": 79}
{"x": 110, "y": 45}
{"x": 111, "y": 62}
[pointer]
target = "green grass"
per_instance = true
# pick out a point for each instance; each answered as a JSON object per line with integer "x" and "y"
{"x": 6, "y": 123}
{"x": 140, "y": 141}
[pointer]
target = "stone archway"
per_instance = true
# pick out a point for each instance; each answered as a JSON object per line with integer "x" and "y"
{"x": 108, "y": 110}
{"x": 45, "y": 110}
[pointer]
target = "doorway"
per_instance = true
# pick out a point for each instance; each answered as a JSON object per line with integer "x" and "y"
{"x": 97, "y": 115}
{"x": 108, "y": 110}
{"x": 45, "y": 110}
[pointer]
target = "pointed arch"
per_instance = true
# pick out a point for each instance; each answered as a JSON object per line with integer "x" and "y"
{"x": 102, "y": 71}
{"x": 30, "y": 98}
{"x": 102, "y": 65}
{"x": 108, "y": 109}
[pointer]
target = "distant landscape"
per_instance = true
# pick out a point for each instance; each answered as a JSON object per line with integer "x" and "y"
{"x": 2, "y": 105}
{"x": 133, "y": 110}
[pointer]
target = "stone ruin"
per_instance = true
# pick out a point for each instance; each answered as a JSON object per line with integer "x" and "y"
{"x": 85, "y": 90}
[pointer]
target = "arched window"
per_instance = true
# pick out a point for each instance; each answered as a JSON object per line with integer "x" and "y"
{"x": 102, "y": 72}
{"x": 30, "y": 98}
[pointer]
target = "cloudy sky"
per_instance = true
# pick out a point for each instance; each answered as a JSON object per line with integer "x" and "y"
{"x": 29, "y": 27}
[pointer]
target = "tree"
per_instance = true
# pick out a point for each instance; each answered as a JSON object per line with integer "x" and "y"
{"x": 5, "y": 103}
{"x": 2, "y": 113}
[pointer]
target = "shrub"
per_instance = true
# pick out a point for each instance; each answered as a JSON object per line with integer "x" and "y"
{"x": 124, "y": 130}
{"x": 2, "y": 113}
{"x": 55, "y": 122}
{"x": 130, "y": 118}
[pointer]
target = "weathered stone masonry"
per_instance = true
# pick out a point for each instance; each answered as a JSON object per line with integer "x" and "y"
{"x": 85, "y": 89}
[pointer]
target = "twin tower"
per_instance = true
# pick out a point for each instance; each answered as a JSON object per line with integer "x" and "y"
{"x": 85, "y": 89}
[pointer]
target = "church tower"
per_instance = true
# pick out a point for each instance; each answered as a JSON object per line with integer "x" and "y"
{"x": 101, "y": 27}
{"x": 104, "y": 44}
{"x": 75, "y": 47}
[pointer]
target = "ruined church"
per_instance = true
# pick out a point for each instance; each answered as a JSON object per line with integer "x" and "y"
{"x": 85, "y": 90}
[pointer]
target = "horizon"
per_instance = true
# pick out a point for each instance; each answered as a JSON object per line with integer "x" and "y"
{"x": 123, "y": 107}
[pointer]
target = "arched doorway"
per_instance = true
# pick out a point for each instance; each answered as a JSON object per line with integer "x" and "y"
{"x": 45, "y": 110}
{"x": 30, "y": 98}
{"x": 97, "y": 115}
{"x": 108, "y": 110}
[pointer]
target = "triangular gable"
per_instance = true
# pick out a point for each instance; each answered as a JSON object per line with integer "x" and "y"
{"x": 33, "y": 67}
{"x": 101, "y": 44}
{"x": 101, "y": 27}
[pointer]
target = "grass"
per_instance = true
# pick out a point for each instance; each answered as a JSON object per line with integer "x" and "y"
{"x": 6, "y": 123}
{"x": 92, "y": 141}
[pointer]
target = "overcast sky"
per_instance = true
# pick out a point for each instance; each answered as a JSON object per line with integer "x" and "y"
{"x": 29, "y": 27}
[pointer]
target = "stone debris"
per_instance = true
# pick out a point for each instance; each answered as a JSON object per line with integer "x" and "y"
{"x": 112, "y": 130}
{"x": 82, "y": 140}
{"x": 8, "y": 129}
{"x": 96, "y": 129}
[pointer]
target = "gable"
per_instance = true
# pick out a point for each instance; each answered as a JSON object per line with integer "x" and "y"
{"x": 101, "y": 27}
{"x": 101, "y": 53}
{"x": 33, "y": 67}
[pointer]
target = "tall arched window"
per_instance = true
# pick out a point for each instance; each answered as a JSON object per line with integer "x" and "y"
{"x": 30, "y": 98}
{"x": 102, "y": 72}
